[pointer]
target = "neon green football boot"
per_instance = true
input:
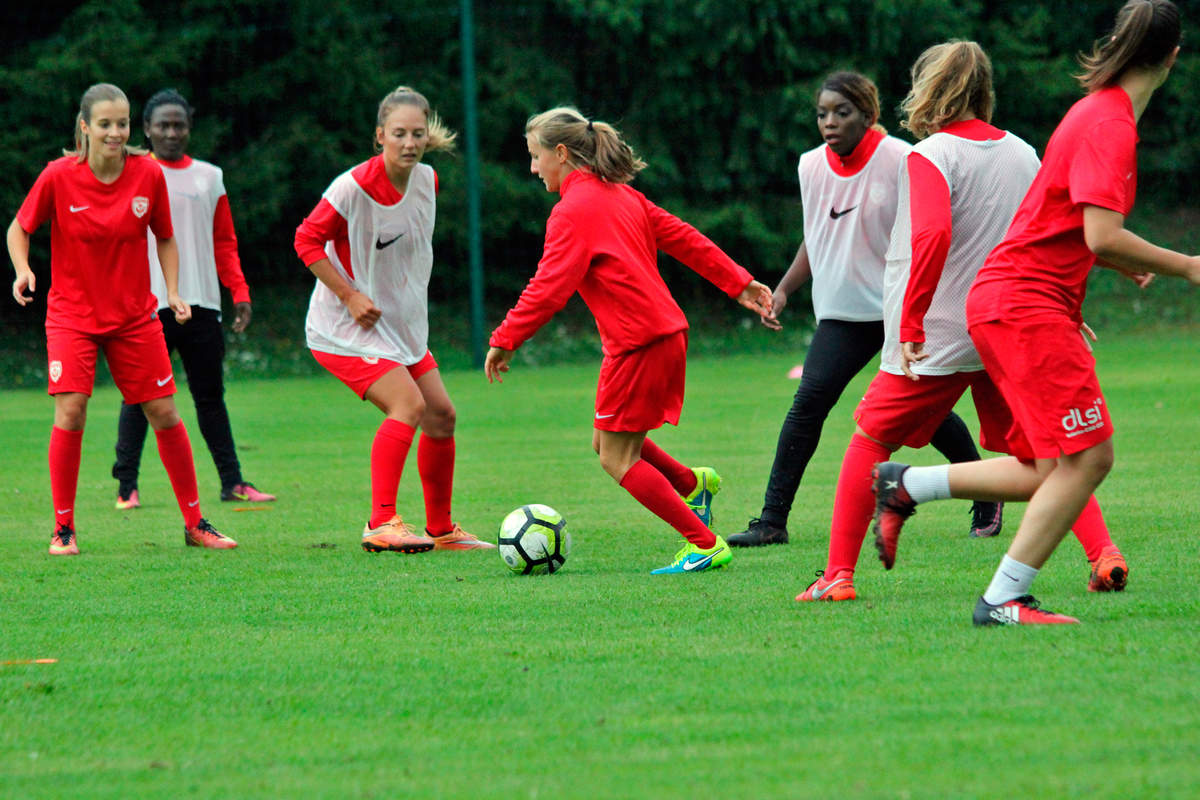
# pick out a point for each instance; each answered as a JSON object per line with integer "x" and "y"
{"x": 694, "y": 559}
{"x": 708, "y": 483}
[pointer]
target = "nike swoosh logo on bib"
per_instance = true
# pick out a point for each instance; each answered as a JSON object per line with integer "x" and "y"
{"x": 835, "y": 214}
{"x": 380, "y": 243}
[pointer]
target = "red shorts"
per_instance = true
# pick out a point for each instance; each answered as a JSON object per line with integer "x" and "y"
{"x": 897, "y": 410}
{"x": 1047, "y": 375}
{"x": 359, "y": 372}
{"x": 136, "y": 355}
{"x": 643, "y": 389}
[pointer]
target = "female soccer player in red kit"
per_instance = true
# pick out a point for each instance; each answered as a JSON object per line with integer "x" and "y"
{"x": 101, "y": 199}
{"x": 370, "y": 244}
{"x": 602, "y": 240}
{"x": 1024, "y": 314}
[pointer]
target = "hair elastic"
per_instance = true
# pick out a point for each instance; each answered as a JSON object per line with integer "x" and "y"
{"x": 591, "y": 127}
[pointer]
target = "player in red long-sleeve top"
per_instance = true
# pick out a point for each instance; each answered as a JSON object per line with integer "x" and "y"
{"x": 101, "y": 199}
{"x": 602, "y": 240}
{"x": 1023, "y": 314}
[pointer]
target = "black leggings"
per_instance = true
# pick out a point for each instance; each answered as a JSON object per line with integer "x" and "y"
{"x": 838, "y": 352}
{"x": 201, "y": 346}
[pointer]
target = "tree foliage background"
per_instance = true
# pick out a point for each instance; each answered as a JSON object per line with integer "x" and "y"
{"x": 717, "y": 96}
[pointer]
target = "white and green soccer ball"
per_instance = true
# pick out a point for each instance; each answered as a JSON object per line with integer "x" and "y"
{"x": 534, "y": 540}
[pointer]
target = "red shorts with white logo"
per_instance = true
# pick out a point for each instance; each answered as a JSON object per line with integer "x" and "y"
{"x": 1047, "y": 375}
{"x": 643, "y": 389}
{"x": 359, "y": 372}
{"x": 897, "y": 410}
{"x": 136, "y": 355}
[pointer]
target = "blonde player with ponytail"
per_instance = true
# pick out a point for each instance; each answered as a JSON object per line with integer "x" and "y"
{"x": 602, "y": 240}
{"x": 369, "y": 242}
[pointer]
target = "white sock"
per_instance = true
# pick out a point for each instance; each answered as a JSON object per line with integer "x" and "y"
{"x": 1012, "y": 580}
{"x": 927, "y": 483}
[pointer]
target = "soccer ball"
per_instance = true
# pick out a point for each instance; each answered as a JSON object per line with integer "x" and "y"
{"x": 533, "y": 540}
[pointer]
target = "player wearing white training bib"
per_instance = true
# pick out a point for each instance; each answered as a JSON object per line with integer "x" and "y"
{"x": 848, "y": 191}
{"x": 369, "y": 242}
{"x": 208, "y": 258}
{"x": 848, "y": 214}
{"x": 987, "y": 172}
{"x": 388, "y": 255}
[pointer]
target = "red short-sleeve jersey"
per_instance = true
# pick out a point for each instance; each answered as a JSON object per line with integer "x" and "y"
{"x": 1042, "y": 265}
{"x": 99, "y": 267}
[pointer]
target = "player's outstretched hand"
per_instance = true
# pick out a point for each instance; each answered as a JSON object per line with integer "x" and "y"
{"x": 756, "y": 297}
{"x": 363, "y": 309}
{"x": 183, "y": 312}
{"x": 241, "y": 316}
{"x": 911, "y": 353}
{"x": 497, "y": 361}
{"x": 779, "y": 301}
{"x": 25, "y": 280}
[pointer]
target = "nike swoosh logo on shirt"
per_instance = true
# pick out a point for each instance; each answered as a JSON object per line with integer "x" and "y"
{"x": 835, "y": 214}
{"x": 604, "y": 416}
{"x": 164, "y": 381}
{"x": 380, "y": 243}
{"x": 77, "y": 209}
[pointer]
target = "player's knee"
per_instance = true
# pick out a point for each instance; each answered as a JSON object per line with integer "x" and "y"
{"x": 70, "y": 416}
{"x": 441, "y": 420}
{"x": 161, "y": 413}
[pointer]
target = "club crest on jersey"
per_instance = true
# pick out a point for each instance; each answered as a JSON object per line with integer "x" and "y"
{"x": 140, "y": 206}
{"x": 55, "y": 371}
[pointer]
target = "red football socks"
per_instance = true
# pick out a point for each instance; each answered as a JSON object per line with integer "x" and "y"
{"x": 1090, "y": 529}
{"x": 681, "y": 477}
{"x": 651, "y": 488}
{"x": 175, "y": 450}
{"x": 435, "y": 464}
{"x": 388, "y": 452}
{"x": 854, "y": 502}
{"x": 66, "y": 448}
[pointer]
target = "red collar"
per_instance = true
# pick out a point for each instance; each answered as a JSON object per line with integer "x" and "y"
{"x": 182, "y": 163}
{"x": 974, "y": 129}
{"x": 858, "y": 157}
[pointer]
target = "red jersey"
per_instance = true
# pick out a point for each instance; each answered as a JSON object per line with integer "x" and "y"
{"x": 602, "y": 240}
{"x": 99, "y": 268}
{"x": 1042, "y": 265}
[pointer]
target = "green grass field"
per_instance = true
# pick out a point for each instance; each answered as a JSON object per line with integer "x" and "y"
{"x": 299, "y": 666}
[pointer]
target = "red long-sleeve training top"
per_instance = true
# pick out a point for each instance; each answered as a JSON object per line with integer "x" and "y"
{"x": 602, "y": 240}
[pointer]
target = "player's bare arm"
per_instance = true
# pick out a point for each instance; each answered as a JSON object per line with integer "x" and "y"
{"x": 1123, "y": 250}
{"x": 798, "y": 273}
{"x": 168, "y": 257}
{"x": 18, "y": 251}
